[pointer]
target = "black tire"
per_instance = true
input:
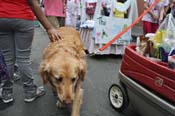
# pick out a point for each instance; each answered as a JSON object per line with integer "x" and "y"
{"x": 118, "y": 97}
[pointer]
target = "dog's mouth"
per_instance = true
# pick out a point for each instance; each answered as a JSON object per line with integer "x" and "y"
{"x": 63, "y": 104}
{"x": 63, "y": 100}
{"x": 60, "y": 104}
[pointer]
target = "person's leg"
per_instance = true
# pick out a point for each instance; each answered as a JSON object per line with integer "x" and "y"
{"x": 74, "y": 21}
{"x": 5, "y": 90}
{"x": 61, "y": 21}
{"x": 155, "y": 26}
{"x": 24, "y": 33}
{"x": 146, "y": 27}
{"x": 53, "y": 20}
{"x": 8, "y": 49}
{"x": 16, "y": 74}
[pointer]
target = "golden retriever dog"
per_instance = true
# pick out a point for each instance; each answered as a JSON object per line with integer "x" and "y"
{"x": 64, "y": 67}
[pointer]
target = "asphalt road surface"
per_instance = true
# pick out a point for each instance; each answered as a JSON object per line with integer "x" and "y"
{"x": 102, "y": 73}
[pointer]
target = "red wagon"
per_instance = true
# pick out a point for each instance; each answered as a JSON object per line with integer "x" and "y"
{"x": 149, "y": 85}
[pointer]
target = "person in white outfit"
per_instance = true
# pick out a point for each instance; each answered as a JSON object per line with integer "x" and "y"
{"x": 72, "y": 12}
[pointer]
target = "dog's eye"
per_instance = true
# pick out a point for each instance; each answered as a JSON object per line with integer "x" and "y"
{"x": 73, "y": 80}
{"x": 59, "y": 79}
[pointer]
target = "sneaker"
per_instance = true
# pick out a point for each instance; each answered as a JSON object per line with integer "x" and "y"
{"x": 7, "y": 96}
{"x": 39, "y": 92}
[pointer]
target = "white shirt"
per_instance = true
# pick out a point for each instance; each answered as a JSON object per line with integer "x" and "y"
{"x": 155, "y": 10}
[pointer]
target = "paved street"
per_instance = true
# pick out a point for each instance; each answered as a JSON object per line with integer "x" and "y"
{"x": 102, "y": 73}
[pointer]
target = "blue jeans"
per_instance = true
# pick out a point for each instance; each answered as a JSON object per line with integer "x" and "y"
{"x": 16, "y": 37}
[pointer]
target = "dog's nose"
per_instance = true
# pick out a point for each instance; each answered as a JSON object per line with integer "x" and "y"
{"x": 67, "y": 101}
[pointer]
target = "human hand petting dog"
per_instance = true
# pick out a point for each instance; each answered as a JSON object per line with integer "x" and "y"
{"x": 53, "y": 35}
{"x": 52, "y": 32}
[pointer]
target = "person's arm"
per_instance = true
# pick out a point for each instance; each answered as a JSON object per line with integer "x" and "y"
{"x": 52, "y": 32}
{"x": 155, "y": 17}
{"x": 162, "y": 14}
{"x": 146, "y": 6}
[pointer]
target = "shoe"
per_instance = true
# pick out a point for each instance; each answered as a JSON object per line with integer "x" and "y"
{"x": 7, "y": 96}
{"x": 39, "y": 92}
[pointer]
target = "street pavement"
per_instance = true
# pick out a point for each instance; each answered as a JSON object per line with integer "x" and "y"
{"x": 102, "y": 72}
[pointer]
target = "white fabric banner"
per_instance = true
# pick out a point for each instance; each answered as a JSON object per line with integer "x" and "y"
{"x": 106, "y": 28}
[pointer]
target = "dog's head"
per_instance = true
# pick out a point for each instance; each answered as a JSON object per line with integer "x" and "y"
{"x": 64, "y": 75}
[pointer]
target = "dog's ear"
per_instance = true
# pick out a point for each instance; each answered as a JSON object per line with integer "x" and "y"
{"x": 44, "y": 71}
{"x": 82, "y": 70}
{"x": 81, "y": 74}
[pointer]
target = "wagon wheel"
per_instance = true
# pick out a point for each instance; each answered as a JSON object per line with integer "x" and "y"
{"x": 118, "y": 97}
